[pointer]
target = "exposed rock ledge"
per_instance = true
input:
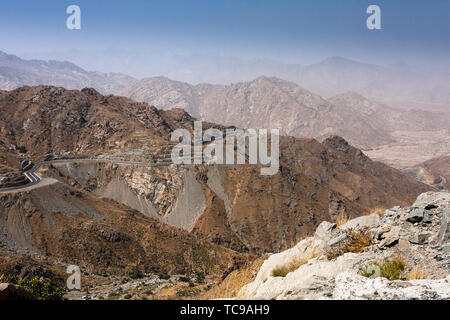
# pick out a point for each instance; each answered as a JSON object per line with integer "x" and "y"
{"x": 418, "y": 235}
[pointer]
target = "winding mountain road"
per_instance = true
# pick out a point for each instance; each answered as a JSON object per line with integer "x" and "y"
{"x": 35, "y": 179}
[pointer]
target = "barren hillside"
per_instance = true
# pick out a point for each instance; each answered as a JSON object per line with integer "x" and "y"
{"x": 232, "y": 206}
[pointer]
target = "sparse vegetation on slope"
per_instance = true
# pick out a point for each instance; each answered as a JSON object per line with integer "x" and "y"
{"x": 391, "y": 269}
{"x": 356, "y": 241}
{"x": 282, "y": 271}
{"x": 230, "y": 286}
{"x": 416, "y": 274}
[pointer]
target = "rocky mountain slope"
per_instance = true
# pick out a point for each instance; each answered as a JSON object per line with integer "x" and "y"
{"x": 405, "y": 254}
{"x": 232, "y": 206}
{"x": 274, "y": 103}
{"x": 62, "y": 225}
{"x": 16, "y": 72}
{"x": 388, "y": 119}
{"x": 435, "y": 172}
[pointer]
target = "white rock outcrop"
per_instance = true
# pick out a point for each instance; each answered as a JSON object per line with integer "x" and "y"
{"x": 340, "y": 278}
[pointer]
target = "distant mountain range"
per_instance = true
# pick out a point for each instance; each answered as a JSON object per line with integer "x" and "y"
{"x": 397, "y": 85}
{"x": 16, "y": 72}
{"x": 269, "y": 102}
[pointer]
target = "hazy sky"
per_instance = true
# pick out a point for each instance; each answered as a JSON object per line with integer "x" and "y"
{"x": 413, "y": 31}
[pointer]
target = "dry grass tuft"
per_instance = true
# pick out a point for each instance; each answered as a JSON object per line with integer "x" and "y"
{"x": 416, "y": 274}
{"x": 342, "y": 219}
{"x": 378, "y": 211}
{"x": 357, "y": 240}
{"x": 292, "y": 266}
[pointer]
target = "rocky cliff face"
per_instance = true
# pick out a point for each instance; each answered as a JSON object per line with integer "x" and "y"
{"x": 232, "y": 206}
{"x": 405, "y": 254}
{"x": 239, "y": 208}
{"x": 63, "y": 225}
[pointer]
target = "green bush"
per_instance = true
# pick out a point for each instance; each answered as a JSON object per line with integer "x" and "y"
{"x": 391, "y": 269}
{"x": 42, "y": 289}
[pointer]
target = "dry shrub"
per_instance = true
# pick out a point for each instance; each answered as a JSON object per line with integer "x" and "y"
{"x": 416, "y": 274}
{"x": 356, "y": 241}
{"x": 282, "y": 271}
{"x": 342, "y": 219}
{"x": 292, "y": 266}
{"x": 232, "y": 284}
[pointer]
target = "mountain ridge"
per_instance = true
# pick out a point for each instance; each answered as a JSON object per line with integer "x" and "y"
{"x": 270, "y": 102}
{"x": 16, "y": 72}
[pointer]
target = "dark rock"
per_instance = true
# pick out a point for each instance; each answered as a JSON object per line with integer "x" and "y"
{"x": 10, "y": 291}
{"x": 416, "y": 215}
{"x": 438, "y": 258}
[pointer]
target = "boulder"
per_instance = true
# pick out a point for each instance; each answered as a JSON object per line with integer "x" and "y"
{"x": 419, "y": 238}
{"x": 336, "y": 240}
{"x": 313, "y": 280}
{"x": 370, "y": 221}
{"x": 381, "y": 230}
{"x": 389, "y": 236}
{"x": 10, "y": 291}
{"x": 432, "y": 200}
{"x": 325, "y": 231}
{"x": 416, "y": 215}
